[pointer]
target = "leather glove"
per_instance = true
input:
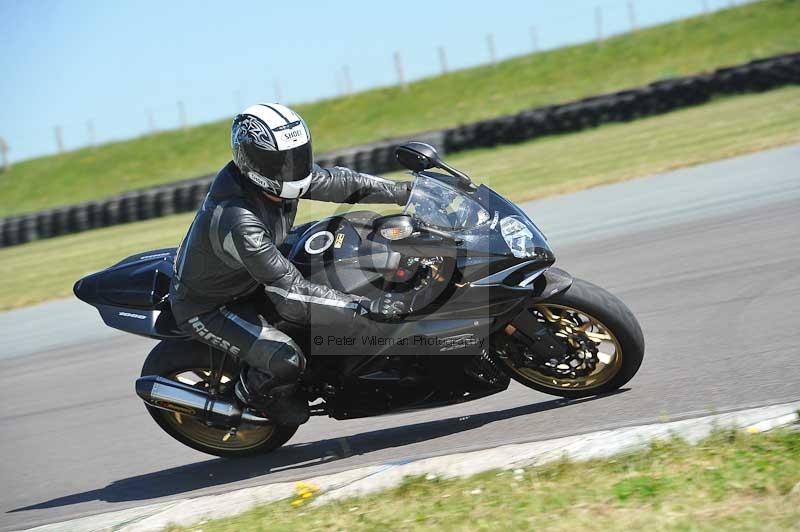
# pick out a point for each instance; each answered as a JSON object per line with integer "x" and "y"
{"x": 403, "y": 191}
{"x": 386, "y": 307}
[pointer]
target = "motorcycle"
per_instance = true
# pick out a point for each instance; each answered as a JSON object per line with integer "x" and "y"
{"x": 487, "y": 306}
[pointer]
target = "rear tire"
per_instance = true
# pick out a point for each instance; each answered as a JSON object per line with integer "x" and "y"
{"x": 175, "y": 357}
{"x": 607, "y": 312}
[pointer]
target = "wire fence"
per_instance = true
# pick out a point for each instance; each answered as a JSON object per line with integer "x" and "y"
{"x": 605, "y": 19}
{"x": 377, "y": 157}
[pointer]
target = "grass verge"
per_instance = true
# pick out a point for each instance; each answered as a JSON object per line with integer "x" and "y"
{"x": 47, "y": 269}
{"x": 731, "y": 481}
{"x": 683, "y": 47}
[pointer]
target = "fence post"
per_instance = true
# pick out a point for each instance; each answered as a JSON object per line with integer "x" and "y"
{"x": 59, "y": 139}
{"x": 398, "y": 63}
{"x": 90, "y": 133}
{"x": 534, "y": 39}
{"x": 443, "y": 59}
{"x": 598, "y": 21}
{"x": 632, "y": 16}
{"x": 705, "y": 6}
{"x": 348, "y": 83}
{"x": 490, "y": 44}
{"x": 339, "y": 84}
{"x": 4, "y": 155}
{"x": 182, "y": 116}
{"x": 151, "y": 121}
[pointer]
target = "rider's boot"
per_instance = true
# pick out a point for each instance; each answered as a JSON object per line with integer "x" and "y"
{"x": 281, "y": 404}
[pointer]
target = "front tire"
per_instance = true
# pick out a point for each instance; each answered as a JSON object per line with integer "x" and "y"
{"x": 189, "y": 362}
{"x": 602, "y": 335}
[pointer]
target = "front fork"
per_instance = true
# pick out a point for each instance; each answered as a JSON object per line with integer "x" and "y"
{"x": 526, "y": 329}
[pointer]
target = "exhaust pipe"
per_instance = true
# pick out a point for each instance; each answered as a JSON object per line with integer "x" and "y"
{"x": 181, "y": 398}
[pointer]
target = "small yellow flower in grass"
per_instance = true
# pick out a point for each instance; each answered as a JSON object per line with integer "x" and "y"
{"x": 753, "y": 430}
{"x": 305, "y": 490}
{"x": 306, "y": 486}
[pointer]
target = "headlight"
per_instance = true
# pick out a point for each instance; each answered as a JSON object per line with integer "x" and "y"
{"x": 518, "y": 236}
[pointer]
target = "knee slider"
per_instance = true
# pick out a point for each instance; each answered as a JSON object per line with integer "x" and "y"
{"x": 287, "y": 363}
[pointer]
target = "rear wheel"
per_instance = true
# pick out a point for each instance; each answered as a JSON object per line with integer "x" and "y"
{"x": 190, "y": 363}
{"x": 598, "y": 343}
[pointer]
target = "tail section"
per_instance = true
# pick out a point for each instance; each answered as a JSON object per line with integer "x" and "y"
{"x": 133, "y": 295}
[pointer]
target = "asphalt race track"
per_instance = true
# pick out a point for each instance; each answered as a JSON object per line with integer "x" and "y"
{"x": 708, "y": 258}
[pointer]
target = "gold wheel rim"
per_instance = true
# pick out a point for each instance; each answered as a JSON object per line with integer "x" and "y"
{"x": 566, "y": 319}
{"x": 245, "y": 437}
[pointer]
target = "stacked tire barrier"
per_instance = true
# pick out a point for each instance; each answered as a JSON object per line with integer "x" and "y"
{"x": 655, "y": 98}
{"x": 128, "y": 207}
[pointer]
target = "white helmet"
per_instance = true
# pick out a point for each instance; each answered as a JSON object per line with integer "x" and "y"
{"x": 272, "y": 147}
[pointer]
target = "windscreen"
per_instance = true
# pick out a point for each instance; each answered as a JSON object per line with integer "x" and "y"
{"x": 439, "y": 205}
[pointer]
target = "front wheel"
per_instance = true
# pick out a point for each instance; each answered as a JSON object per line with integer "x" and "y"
{"x": 190, "y": 363}
{"x": 587, "y": 343}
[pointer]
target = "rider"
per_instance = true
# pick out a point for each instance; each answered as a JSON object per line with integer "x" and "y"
{"x": 231, "y": 250}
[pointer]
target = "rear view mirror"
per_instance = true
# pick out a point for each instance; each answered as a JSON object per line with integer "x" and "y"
{"x": 417, "y": 156}
{"x": 395, "y": 227}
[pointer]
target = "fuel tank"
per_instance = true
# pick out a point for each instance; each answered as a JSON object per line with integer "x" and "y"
{"x": 345, "y": 253}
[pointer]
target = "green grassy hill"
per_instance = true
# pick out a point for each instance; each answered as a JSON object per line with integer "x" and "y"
{"x": 535, "y": 168}
{"x": 688, "y": 46}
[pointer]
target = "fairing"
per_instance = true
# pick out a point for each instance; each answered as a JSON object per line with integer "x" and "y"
{"x": 479, "y": 286}
{"x": 132, "y": 295}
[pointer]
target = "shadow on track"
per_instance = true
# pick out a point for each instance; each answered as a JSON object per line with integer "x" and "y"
{"x": 219, "y": 471}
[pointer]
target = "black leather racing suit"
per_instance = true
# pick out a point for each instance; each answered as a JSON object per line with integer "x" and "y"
{"x": 231, "y": 250}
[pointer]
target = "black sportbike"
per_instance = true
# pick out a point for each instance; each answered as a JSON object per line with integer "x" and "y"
{"x": 486, "y": 306}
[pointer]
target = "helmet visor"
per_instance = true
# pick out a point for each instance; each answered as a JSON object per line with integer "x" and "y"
{"x": 286, "y": 165}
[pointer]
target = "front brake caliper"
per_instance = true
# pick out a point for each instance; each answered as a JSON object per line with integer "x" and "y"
{"x": 536, "y": 336}
{"x": 553, "y": 345}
